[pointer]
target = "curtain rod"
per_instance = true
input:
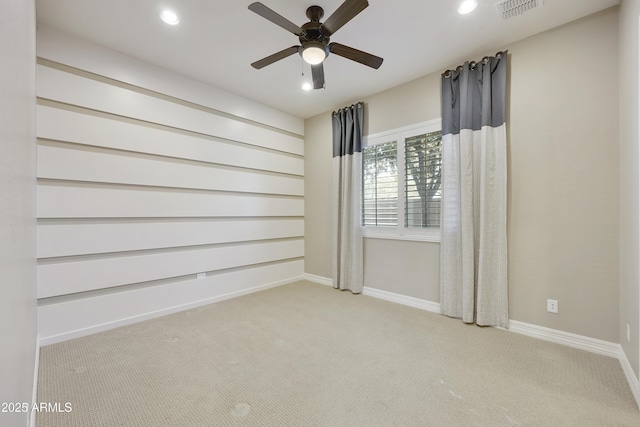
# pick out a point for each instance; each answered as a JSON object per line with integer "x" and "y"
{"x": 472, "y": 64}
{"x": 359, "y": 104}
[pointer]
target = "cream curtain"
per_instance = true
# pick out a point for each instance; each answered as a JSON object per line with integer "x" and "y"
{"x": 473, "y": 256}
{"x": 347, "y": 187}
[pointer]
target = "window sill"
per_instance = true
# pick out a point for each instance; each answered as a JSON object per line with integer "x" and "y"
{"x": 432, "y": 238}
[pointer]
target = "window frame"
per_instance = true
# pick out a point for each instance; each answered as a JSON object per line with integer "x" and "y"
{"x": 400, "y": 232}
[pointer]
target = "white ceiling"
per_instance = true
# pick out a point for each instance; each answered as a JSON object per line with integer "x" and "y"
{"x": 217, "y": 40}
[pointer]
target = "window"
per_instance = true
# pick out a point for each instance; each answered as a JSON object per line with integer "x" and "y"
{"x": 423, "y": 171}
{"x": 401, "y": 183}
{"x": 380, "y": 185}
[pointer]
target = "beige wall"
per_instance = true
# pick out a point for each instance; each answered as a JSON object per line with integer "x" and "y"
{"x": 17, "y": 207}
{"x": 563, "y": 215}
{"x": 317, "y": 190}
{"x": 409, "y": 268}
{"x": 629, "y": 280}
{"x": 563, "y": 180}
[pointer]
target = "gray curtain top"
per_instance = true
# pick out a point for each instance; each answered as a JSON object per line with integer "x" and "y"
{"x": 347, "y": 130}
{"x": 473, "y": 95}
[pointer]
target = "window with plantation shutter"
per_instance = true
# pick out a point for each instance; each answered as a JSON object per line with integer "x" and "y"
{"x": 380, "y": 185}
{"x": 401, "y": 176}
{"x": 423, "y": 161}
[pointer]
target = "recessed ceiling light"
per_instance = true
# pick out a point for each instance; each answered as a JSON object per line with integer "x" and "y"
{"x": 170, "y": 17}
{"x": 467, "y": 6}
{"x": 306, "y": 86}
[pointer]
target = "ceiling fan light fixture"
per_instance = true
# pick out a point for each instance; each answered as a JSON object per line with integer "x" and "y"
{"x": 307, "y": 86}
{"x": 467, "y": 6}
{"x": 313, "y": 55}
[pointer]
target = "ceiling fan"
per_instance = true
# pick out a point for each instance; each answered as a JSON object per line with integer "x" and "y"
{"x": 314, "y": 38}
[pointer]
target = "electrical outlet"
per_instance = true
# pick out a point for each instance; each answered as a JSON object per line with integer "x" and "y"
{"x": 552, "y": 305}
{"x": 201, "y": 275}
{"x": 628, "y": 333}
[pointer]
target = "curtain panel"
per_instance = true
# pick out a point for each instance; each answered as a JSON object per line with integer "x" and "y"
{"x": 473, "y": 251}
{"x": 347, "y": 186}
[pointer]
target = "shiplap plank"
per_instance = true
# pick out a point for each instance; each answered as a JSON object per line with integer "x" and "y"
{"x": 79, "y": 317}
{"x": 80, "y": 128}
{"x": 79, "y": 276}
{"x": 67, "y": 49}
{"x": 78, "y": 201}
{"x": 79, "y": 164}
{"x": 67, "y": 239}
{"x": 77, "y": 90}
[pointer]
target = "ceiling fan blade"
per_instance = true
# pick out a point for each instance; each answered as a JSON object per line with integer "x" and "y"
{"x": 317, "y": 72}
{"x": 275, "y": 57}
{"x": 356, "y": 55}
{"x": 274, "y": 17}
{"x": 343, "y": 14}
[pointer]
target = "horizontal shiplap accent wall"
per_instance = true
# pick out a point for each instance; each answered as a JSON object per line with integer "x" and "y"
{"x": 151, "y": 201}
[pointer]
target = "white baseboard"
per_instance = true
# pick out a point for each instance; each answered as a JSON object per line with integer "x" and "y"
{"x": 634, "y": 384}
{"x": 422, "y": 304}
{"x": 31, "y": 422}
{"x": 123, "y": 321}
{"x": 581, "y": 342}
{"x": 318, "y": 279}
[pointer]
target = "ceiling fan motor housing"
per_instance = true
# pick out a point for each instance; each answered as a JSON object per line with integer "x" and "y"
{"x": 313, "y": 36}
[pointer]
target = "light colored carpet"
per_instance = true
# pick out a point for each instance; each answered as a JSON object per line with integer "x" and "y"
{"x": 308, "y": 355}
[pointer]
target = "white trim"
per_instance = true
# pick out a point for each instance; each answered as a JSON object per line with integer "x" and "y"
{"x": 369, "y": 233}
{"x": 634, "y": 384}
{"x": 410, "y": 128}
{"x": 163, "y": 312}
{"x": 581, "y": 342}
{"x": 422, "y": 304}
{"x": 317, "y": 279}
{"x": 31, "y": 421}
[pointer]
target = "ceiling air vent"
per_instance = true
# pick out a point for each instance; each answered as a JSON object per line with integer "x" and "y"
{"x": 511, "y": 8}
